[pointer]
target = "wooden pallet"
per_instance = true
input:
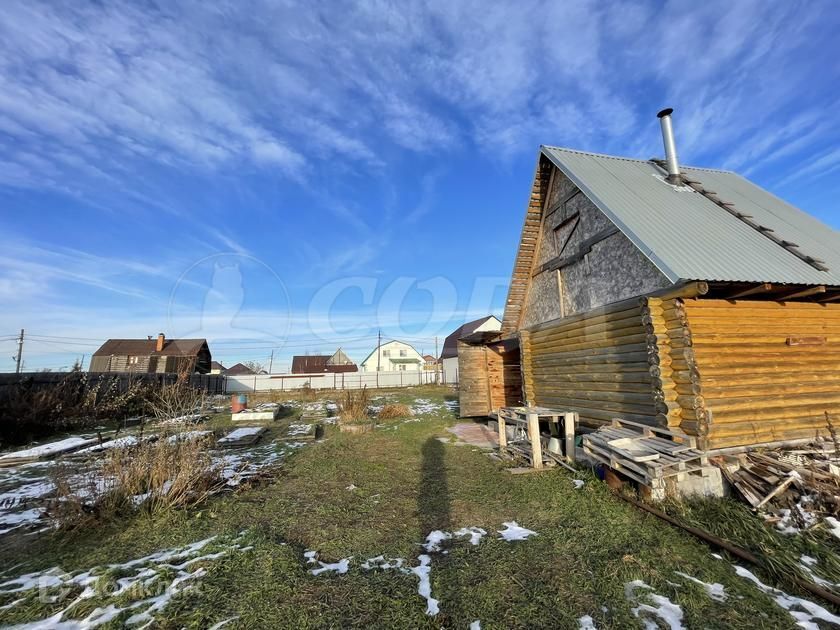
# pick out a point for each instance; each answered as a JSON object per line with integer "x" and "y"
{"x": 648, "y": 455}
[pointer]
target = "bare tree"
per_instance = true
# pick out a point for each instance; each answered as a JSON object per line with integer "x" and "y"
{"x": 255, "y": 366}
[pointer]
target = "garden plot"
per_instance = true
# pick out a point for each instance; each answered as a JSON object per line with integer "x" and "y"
{"x": 133, "y": 593}
{"x": 26, "y": 489}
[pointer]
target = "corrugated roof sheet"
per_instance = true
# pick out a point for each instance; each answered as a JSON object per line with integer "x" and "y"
{"x": 689, "y": 237}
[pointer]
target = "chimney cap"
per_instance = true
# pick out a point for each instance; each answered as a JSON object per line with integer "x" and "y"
{"x": 665, "y": 112}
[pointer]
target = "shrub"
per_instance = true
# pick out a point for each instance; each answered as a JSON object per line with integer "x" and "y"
{"x": 172, "y": 472}
{"x": 394, "y": 410}
{"x": 353, "y": 406}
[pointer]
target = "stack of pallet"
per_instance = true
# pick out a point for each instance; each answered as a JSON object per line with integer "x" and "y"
{"x": 779, "y": 479}
{"x": 649, "y": 455}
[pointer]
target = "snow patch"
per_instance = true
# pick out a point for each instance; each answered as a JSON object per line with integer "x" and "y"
{"x": 424, "y": 587}
{"x": 475, "y": 534}
{"x": 341, "y": 567}
{"x": 586, "y": 623}
{"x": 434, "y": 540}
{"x": 238, "y": 434}
{"x": 46, "y": 450}
{"x": 666, "y": 610}
{"x": 809, "y": 611}
{"x": 513, "y": 532}
{"x": 578, "y": 483}
{"x": 714, "y": 590}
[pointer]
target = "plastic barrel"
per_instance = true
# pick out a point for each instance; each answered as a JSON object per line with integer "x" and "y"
{"x": 238, "y": 402}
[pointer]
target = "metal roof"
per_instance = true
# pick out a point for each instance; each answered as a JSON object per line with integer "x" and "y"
{"x": 689, "y": 237}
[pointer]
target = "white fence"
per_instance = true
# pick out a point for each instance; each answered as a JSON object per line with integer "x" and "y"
{"x": 344, "y": 380}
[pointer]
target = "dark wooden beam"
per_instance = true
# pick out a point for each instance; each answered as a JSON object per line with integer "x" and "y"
{"x": 831, "y": 297}
{"x": 764, "y": 287}
{"x": 799, "y": 293}
{"x": 558, "y": 262}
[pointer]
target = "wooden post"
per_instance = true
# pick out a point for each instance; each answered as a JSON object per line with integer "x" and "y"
{"x": 534, "y": 435}
{"x": 502, "y": 433}
{"x": 570, "y": 420}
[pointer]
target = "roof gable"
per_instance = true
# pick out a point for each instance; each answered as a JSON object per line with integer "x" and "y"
{"x": 686, "y": 235}
{"x": 450, "y": 345}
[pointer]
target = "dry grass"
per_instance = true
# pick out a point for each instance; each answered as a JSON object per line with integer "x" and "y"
{"x": 353, "y": 406}
{"x": 171, "y": 472}
{"x": 394, "y": 410}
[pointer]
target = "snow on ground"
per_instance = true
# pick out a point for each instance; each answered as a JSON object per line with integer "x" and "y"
{"x": 122, "y": 442}
{"x": 715, "y": 590}
{"x": 341, "y": 567}
{"x": 475, "y": 534}
{"x": 424, "y": 587}
{"x": 238, "y": 434}
{"x": 435, "y": 539}
{"x": 423, "y": 569}
{"x": 667, "y": 611}
{"x": 146, "y": 587}
{"x": 299, "y": 429}
{"x": 586, "y": 623}
{"x": 383, "y": 563}
{"x": 48, "y": 450}
{"x": 188, "y": 435}
{"x": 834, "y": 525}
{"x": 513, "y": 532}
{"x": 578, "y": 483}
{"x": 807, "y": 564}
{"x": 805, "y": 612}
{"x": 423, "y": 406}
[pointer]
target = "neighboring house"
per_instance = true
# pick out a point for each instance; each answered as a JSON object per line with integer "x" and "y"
{"x": 430, "y": 363}
{"x": 449, "y": 354}
{"x": 315, "y": 363}
{"x": 239, "y": 370}
{"x": 393, "y": 356}
{"x": 150, "y": 355}
{"x": 216, "y": 368}
{"x": 688, "y": 298}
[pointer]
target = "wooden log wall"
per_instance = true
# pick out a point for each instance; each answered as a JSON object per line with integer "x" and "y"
{"x": 490, "y": 377}
{"x": 504, "y": 374}
{"x": 755, "y": 371}
{"x": 473, "y": 386}
{"x": 599, "y": 364}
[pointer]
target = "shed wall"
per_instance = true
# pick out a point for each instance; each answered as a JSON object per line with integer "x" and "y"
{"x": 597, "y": 364}
{"x": 490, "y": 377}
{"x": 768, "y": 371}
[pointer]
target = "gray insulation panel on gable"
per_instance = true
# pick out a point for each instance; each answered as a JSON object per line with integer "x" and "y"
{"x": 688, "y": 237}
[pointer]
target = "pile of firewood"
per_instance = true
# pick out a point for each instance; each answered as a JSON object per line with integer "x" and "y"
{"x": 798, "y": 483}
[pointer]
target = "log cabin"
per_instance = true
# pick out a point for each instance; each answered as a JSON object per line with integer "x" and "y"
{"x": 152, "y": 356}
{"x": 684, "y": 297}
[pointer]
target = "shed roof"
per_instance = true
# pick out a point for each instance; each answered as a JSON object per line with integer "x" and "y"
{"x": 312, "y": 363}
{"x": 147, "y": 347}
{"x": 450, "y": 345}
{"x": 689, "y": 237}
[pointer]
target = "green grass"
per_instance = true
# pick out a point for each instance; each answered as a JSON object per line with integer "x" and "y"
{"x": 589, "y": 544}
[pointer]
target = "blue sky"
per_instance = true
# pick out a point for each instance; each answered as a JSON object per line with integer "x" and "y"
{"x": 295, "y": 177}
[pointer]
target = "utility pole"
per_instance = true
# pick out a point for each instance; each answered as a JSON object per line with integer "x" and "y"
{"x": 19, "y": 356}
{"x": 437, "y": 372}
{"x": 271, "y": 361}
{"x": 378, "y": 356}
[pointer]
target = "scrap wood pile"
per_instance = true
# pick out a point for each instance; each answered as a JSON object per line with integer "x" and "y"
{"x": 649, "y": 455}
{"x": 798, "y": 484}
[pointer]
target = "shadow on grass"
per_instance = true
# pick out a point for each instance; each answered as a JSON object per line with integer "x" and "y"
{"x": 433, "y": 497}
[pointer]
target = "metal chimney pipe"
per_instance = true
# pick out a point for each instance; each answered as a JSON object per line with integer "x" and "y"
{"x": 670, "y": 146}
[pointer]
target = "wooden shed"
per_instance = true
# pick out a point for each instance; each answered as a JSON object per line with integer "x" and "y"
{"x": 698, "y": 301}
{"x": 152, "y": 355}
